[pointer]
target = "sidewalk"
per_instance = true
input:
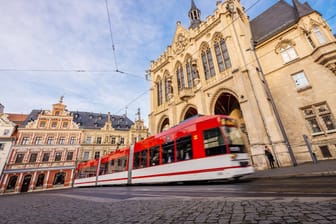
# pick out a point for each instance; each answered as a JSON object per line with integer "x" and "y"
{"x": 321, "y": 168}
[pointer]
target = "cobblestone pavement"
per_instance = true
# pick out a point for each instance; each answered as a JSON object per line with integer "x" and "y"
{"x": 56, "y": 207}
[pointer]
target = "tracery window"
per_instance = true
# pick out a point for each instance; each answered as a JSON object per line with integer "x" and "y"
{"x": 222, "y": 54}
{"x": 159, "y": 92}
{"x": 207, "y": 61}
{"x": 180, "y": 77}
{"x": 168, "y": 87}
{"x": 189, "y": 69}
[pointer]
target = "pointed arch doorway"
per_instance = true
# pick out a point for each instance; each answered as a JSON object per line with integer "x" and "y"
{"x": 228, "y": 104}
{"x": 190, "y": 113}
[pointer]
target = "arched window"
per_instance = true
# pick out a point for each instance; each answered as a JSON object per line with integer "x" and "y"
{"x": 208, "y": 65}
{"x": 222, "y": 54}
{"x": 40, "y": 180}
{"x": 189, "y": 69}
{"x": 180, "y": 77}
{"x": 11, "y": 183}
{"x": 59, "y": 178}
{"x": 287, "y": 51}
{"x": 168, "y": 86}
{"x": 159, "y": 92}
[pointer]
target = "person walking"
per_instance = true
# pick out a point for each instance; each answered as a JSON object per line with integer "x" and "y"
{"x": 269, "y": 156}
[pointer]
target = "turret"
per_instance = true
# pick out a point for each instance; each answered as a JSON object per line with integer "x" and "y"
{"x": 194, "y": 16}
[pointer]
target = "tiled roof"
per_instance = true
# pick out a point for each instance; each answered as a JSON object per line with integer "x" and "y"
{"x": 17, "y": 118}
{"x": 277, "y": 18}
{"x": 88, "y": 120}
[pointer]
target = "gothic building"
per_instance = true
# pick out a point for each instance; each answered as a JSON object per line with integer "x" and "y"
{"x": 275, "y": 74}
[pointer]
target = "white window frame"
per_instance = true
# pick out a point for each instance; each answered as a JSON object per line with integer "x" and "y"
{"x": 288, "y": 53}
{"x": 319, "y": 35}
{"x": 300, "y": 80}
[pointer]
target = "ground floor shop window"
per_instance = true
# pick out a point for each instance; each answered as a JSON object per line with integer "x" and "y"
{"x": 40, "y": 180}
{"x": 12, "y": 183}
{"x": 59, "y": 178}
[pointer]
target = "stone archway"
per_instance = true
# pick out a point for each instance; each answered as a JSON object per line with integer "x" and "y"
{"x": 164, "y": 125}
{"x": 227, "y": 104}
{"x": 190, "y": 113}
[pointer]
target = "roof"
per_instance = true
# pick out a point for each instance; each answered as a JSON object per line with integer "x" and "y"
{"x": 17, "y": 118}
{"x": 89, "y": 120}
{"x": 277, "y": 18}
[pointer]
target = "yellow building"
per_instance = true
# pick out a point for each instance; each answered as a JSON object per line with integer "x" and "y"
{"x": 277, "y": 77}
{"x": 103, "y": 133}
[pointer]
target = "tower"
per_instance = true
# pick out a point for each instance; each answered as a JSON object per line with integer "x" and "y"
{"x": 194, "y": 15}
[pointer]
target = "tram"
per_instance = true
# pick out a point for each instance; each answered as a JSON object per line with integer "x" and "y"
{"x": 203, "y": 148}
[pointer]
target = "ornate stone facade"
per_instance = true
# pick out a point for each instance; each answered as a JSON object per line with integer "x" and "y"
{"x": 49, "y": 144}
{"x": 263, "y": 72}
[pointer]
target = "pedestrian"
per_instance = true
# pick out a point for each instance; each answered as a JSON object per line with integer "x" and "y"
{"x": 269, "y": 157}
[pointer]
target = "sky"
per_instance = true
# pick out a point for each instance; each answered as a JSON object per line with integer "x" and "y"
{"x": 50, "y": 49}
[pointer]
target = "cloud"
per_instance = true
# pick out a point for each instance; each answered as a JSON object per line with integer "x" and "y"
{"x": 59, "y": 37}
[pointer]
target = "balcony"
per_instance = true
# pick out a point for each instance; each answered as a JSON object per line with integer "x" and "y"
{"x": 326, "y": 55}
{"x": 186, "y": 93}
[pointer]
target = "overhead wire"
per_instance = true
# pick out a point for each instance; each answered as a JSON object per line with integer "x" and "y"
{"x": 111, "y": 35}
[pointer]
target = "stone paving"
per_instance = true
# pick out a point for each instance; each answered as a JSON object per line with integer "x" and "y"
{"x": 56, "y": 207}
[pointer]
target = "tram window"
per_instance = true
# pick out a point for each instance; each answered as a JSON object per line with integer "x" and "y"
{"x": 233, "y": 136}
{"x": 154, "y": 156}
{"x": 103, "y": 168}
{"x": 168, "y": 155}
{"x": 140, "y": 159}
{"x": 214, "y": 142}
{"x": 144, "y": 158}
{"x": 184, "y": 148}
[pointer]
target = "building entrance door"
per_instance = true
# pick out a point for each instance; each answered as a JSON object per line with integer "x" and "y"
{"x": 26, "y": 183}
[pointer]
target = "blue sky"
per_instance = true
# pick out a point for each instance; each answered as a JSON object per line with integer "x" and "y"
{"x": 59, "y": 48}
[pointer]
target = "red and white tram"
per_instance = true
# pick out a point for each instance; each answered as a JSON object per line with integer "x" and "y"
{"x": 198, "y": 149}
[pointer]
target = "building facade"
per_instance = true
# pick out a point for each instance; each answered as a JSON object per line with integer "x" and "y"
{"x": 104, "y": 133}
{"x": 276, "y": 77}
{"x": 7, "y": 130}
{"x": 44, "y": 155}
{"x": 49, "y": 145}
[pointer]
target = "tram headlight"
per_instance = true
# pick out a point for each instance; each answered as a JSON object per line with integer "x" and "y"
{"x": 233, "y": 156}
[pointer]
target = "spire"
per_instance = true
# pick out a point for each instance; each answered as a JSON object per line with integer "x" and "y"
{"x": 194, "y": 15}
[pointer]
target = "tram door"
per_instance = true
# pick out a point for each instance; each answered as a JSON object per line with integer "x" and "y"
{"x": 26, "y": 183}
